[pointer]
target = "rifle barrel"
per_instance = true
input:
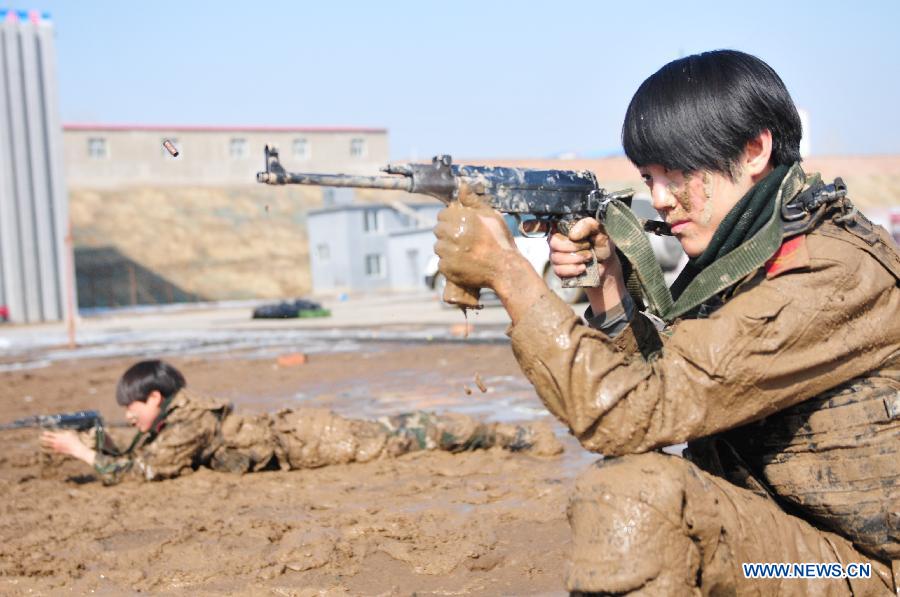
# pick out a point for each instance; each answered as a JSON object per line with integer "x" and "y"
{"x": 394, "y": 183}
{"x": 20, "y": 424}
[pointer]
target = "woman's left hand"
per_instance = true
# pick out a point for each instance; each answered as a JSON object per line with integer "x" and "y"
{"x": 475, "y": 247}
{"x": 67, "y": 442}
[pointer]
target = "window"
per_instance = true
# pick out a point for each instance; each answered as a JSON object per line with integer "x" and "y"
{"x": 412, "y": 261}
{"x": 97, "y": 149}
{"x": 301, "y": 149}
{"x": 371, "y": 221}
{"x": 374, "y": 265}
{"x": 238, "y": 148}
{"x": 357, "y": 148}
{"x": 323, "y": 252}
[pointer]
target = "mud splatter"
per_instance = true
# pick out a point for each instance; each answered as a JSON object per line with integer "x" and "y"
{"x": 480, "y": 383}
{"x": 671, "y": 192}
{"x": 706, "y": 214}
{"x": 681, "y": 193}
{"x": 465, "y": 313}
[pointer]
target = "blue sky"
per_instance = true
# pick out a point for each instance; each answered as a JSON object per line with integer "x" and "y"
{"x": 475, "y": 79}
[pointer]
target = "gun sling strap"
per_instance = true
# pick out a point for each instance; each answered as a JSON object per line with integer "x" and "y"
{"x": 628, "y": 235}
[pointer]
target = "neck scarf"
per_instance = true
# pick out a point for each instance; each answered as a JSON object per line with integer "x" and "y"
{"x": 744, "y": 220}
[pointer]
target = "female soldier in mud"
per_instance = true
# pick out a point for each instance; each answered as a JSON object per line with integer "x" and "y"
{"x": 179, "y": 430}
{"x": 786, "y": 383}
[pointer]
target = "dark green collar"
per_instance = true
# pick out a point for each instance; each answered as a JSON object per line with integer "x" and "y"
{"x": 743, "y": 221}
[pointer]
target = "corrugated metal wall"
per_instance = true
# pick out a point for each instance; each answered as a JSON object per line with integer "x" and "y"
{"x": 33, "y": 200}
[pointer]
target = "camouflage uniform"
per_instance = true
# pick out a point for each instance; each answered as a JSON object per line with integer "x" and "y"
{"x": 787, "y": 389}
{"x": 200, "y": 431}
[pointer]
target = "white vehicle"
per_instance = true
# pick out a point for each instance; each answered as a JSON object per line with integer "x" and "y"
{"x": 666, "y": 248}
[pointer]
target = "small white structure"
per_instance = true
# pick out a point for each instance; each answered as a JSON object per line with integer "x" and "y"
{"x": 370, "y": 247}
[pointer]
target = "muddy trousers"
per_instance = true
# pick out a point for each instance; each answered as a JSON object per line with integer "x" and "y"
{"x": 653, "y": 524}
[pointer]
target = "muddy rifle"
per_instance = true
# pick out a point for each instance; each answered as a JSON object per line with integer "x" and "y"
{"x": 537, "y": 198}
{"x": 77, "y": 421}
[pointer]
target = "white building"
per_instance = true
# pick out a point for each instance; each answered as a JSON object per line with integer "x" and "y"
{"x": 370, "y": 247}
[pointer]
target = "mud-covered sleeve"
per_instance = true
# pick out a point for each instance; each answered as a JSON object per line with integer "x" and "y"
{"x": 773, "y": 345}
{"x": 109, "y": 464}
{"x": 178, "y": 448}
{"x": 111, "y": 469}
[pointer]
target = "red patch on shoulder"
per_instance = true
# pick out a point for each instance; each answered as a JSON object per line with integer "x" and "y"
{"x": 790, "y": 256}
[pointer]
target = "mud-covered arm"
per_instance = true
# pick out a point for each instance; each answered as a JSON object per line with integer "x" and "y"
{"x": 111, "y": 469}
{"x": 774, "y": 344}
{"x": 177, "y": 448}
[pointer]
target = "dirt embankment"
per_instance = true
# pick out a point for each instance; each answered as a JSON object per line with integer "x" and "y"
{"x": 482, "y": 523}
{"x": 216, "y": 243}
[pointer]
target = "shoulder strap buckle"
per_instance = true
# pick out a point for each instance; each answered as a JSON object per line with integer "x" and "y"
{"x": 804, "y": 211}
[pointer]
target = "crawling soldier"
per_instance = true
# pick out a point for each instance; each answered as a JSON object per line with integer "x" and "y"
{"x": 179, "y": 431}
{"x": 784, "y": 378}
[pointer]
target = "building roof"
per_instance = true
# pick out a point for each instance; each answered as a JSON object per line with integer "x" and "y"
{"x": 105, "y": 126}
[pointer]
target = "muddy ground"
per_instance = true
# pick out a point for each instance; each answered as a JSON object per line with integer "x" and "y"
{"x": 485, "y": 523}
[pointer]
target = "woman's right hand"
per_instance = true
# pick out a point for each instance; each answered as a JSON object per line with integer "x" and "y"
{"x": 586, "y": 240}
{"x": 570, "y": 253}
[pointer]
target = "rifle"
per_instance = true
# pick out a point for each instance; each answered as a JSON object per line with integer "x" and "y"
{"x": 545, "y": 197}
{"x": 78, "y": 421}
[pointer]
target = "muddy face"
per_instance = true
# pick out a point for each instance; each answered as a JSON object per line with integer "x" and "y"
{"x": 680, "y": 194}
{"x": 693, "y": 203}
{"x": 706, "y": 215}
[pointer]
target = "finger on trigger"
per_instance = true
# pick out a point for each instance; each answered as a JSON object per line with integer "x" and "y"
{"x": 584, "y": 228}
{"x": 563, "y": 244}
{"x": 558, "y": 240}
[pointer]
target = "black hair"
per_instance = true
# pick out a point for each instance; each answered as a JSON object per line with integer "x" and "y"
{"x": 144, "y": 377}
{"x": 699, "y": 112}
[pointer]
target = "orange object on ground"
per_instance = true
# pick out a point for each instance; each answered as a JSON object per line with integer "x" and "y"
{"x": 292, "y": 359}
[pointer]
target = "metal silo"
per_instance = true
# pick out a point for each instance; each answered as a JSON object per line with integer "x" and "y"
{"x": 33, "y": 200}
